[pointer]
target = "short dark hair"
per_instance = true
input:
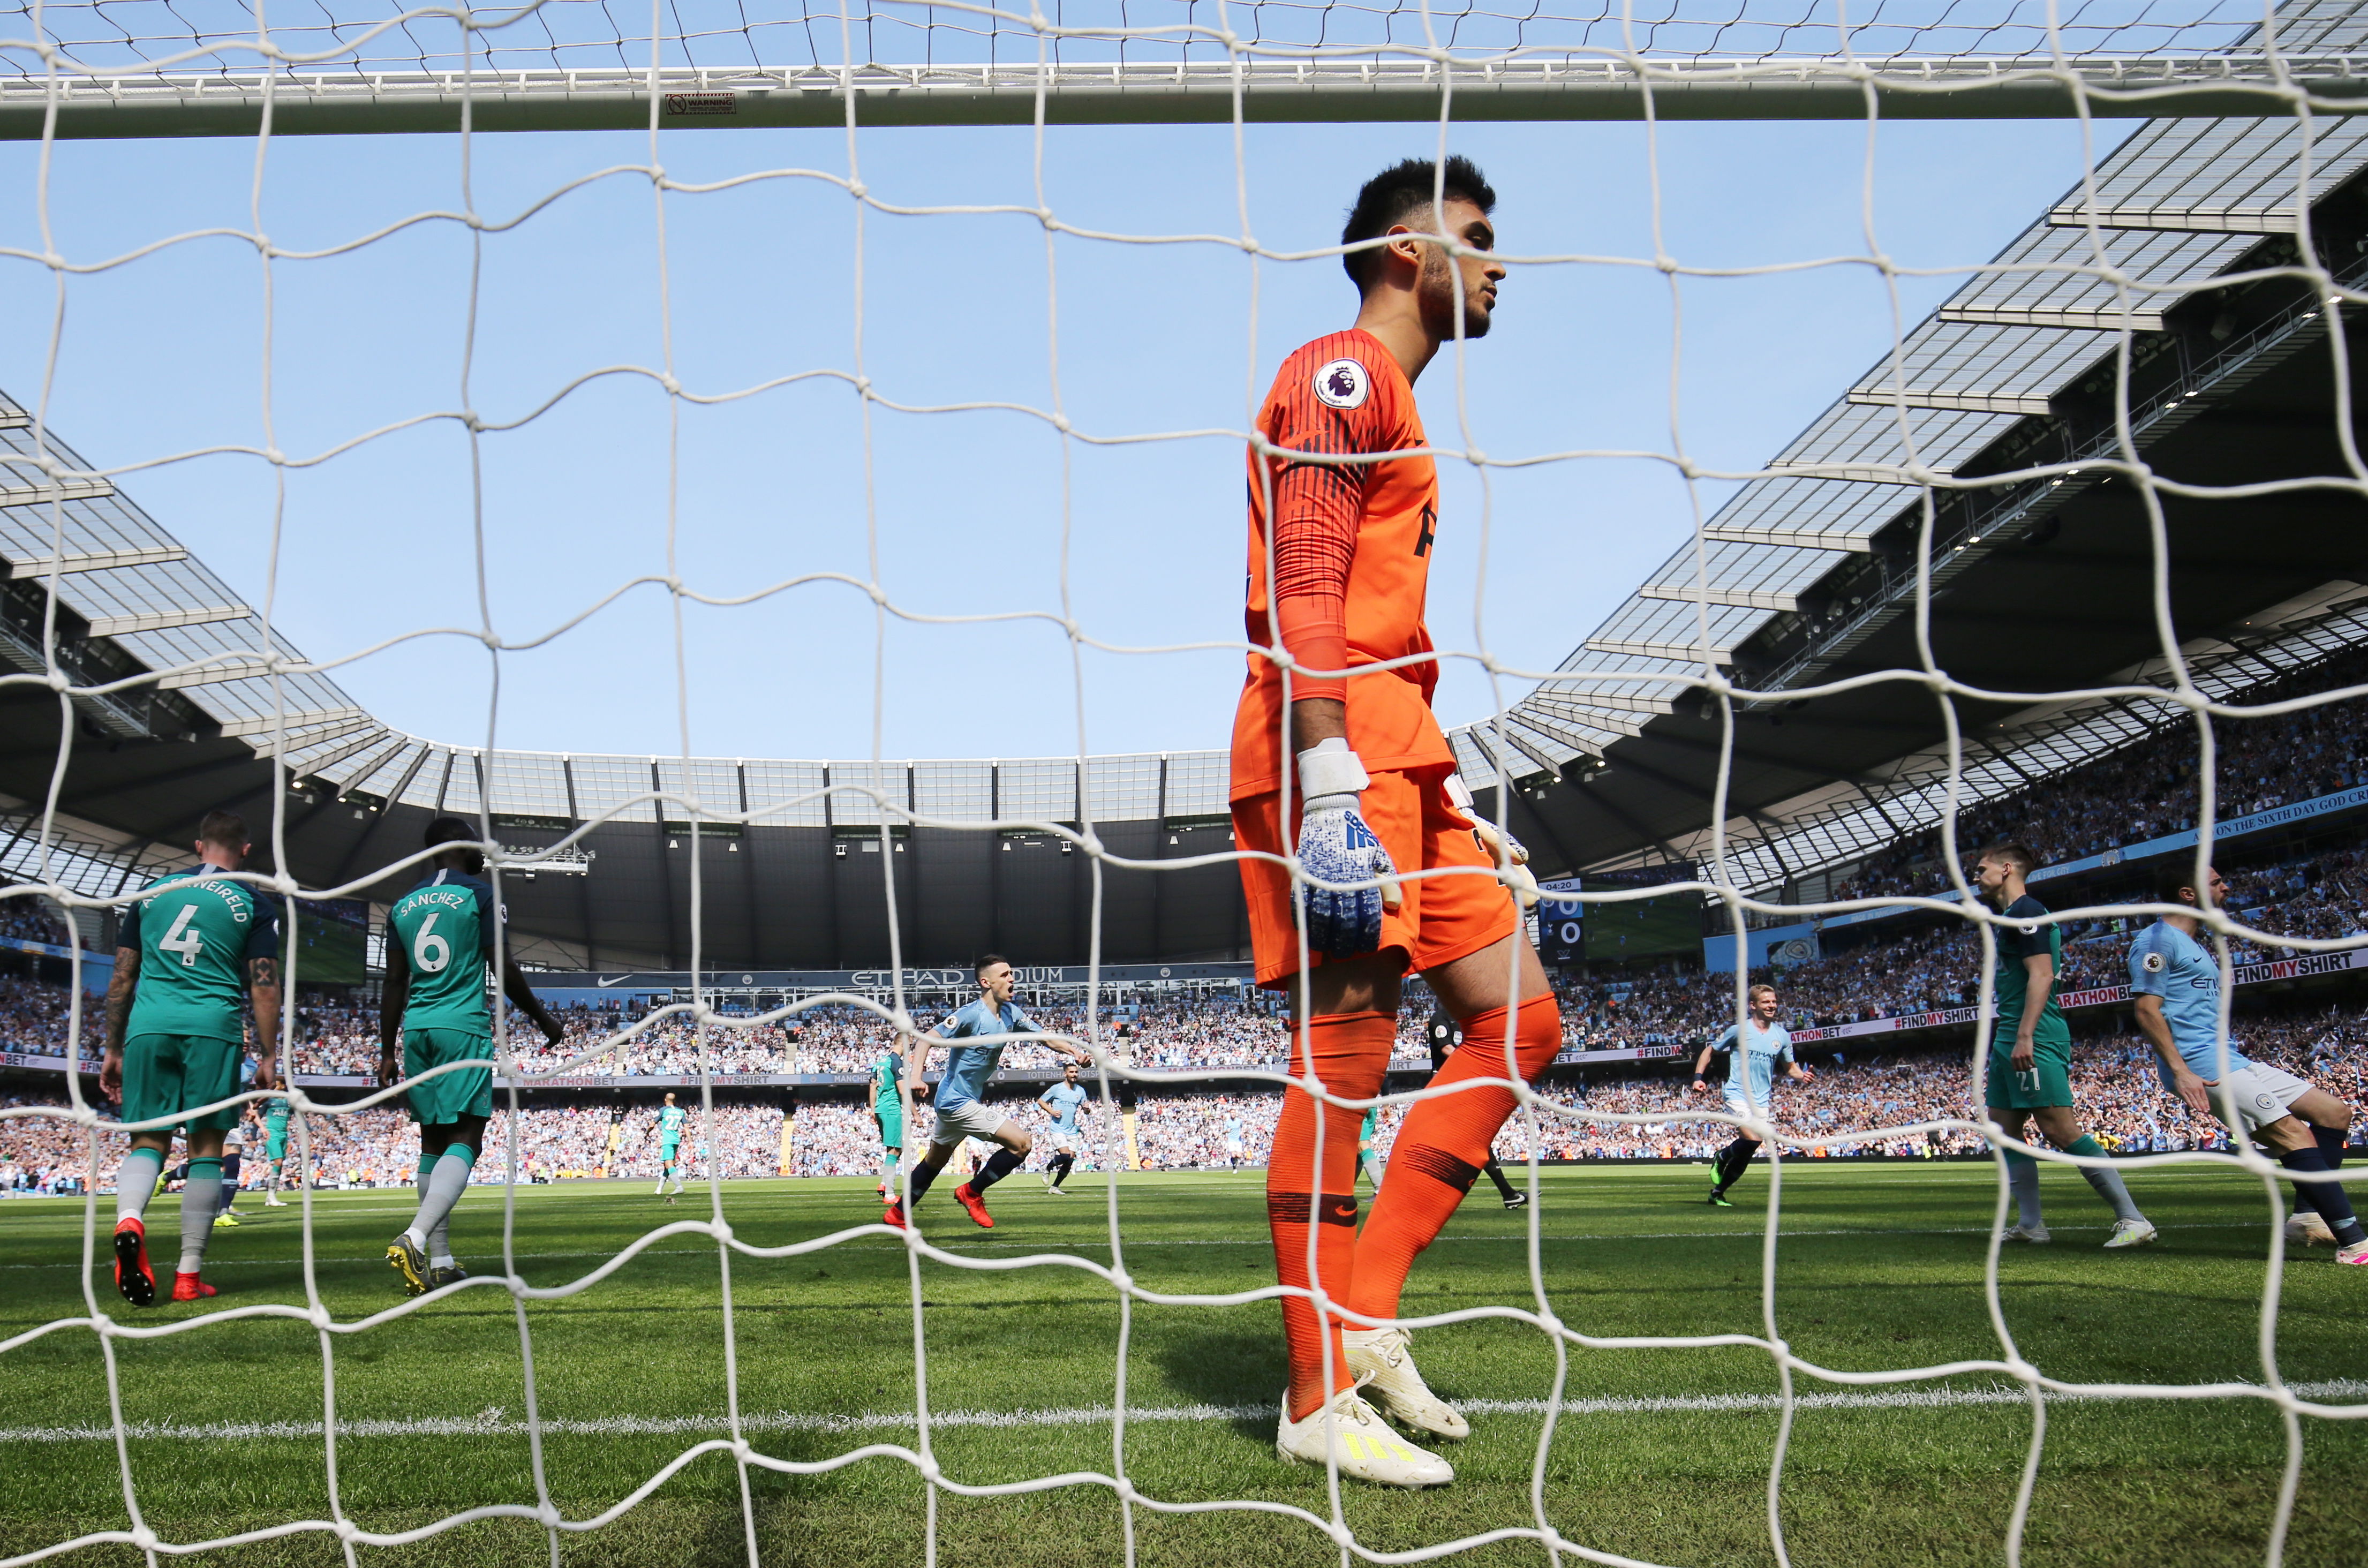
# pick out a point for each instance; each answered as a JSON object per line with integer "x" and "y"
{"x": 2177, "y": 877}
{"x": 225, "y": 828}
{"x": 449, "y": 830}
{"x": 987, "y": 962}
{"x": 1403, "y": 188}
{"x": 2013, "y": 853}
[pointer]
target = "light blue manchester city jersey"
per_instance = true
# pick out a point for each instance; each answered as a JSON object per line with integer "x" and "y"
{"x": 1754, "y": 1064}
{"x": 968, "y": 1067}
{"x": 2166, "y": 962}
{"x": 1065, "y": 1098}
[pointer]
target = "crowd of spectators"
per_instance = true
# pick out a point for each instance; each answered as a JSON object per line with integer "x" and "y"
{"x": 1933, "y": 967}
{"x": 30, "y": 919}
{"x": 1208, "y": 1031}
{"x": 380, "y": 1148}
{"x": 34, "y": 1016}
{"x": 2114, "y": 1082}
{"x": 2147, "y": 787}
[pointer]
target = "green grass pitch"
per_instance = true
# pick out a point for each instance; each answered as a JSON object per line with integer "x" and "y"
{"x": 1879, "y": 1267}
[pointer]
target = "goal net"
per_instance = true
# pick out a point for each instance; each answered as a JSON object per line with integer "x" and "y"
{"x": 2226, "y": 190}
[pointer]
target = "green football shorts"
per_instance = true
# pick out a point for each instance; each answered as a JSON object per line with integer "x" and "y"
{"x": 447, "y": 1099}
{"x": 2049, "y": 1082}
{"x": 892, "y": 1125}
{"x": 164, "y": 1074}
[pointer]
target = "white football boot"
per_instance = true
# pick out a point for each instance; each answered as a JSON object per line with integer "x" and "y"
{"x": 1378, "y": 1360}
{"x": 2035, "y": 1235}
{"x": 2130, "y": 1233}
{"x": 2307, "y": 1228}
{"x": 1359, "y": 1441}
{"x": 2356, "y": 1255}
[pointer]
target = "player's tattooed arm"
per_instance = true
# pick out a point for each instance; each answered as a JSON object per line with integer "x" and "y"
{"x": 263, "y": 990}
{"x": 120, "y": 989}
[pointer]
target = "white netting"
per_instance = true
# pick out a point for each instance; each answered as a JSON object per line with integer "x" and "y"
{"x": 54, "y": 42}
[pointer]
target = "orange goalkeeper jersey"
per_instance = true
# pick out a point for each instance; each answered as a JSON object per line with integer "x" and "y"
{"x": 1351, "y": 559}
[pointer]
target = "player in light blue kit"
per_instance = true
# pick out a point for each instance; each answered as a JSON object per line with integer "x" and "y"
{"x": 2175, "y": 985}
{"x": 1752, "y": 1048}
{"x": 1061, "y": 1102}
{"x": 961, "y": 1112}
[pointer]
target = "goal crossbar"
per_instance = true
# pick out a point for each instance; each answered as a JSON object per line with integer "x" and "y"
{"x": 328, "y": 102}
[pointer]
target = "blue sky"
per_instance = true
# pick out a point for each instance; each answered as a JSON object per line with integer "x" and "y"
{"x": 969, "y": 512}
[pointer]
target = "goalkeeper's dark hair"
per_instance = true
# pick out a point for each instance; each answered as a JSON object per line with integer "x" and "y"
{"x": 227, "y": 829}
{"x": 450, "y": 830}
{"x": 1396, "y": 194}
{"x": 987, "y": 962}
{"x": 2009, "y": 853}
{"x": 2177, "y": 876}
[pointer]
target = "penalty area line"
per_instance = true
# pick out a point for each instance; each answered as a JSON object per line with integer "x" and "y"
{"x": 495, "y": 1422}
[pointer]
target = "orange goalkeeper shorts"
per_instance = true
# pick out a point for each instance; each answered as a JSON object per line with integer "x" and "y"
{"x": 1442, "y": 918}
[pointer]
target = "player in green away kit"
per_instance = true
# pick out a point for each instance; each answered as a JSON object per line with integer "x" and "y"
{"x": 191, "y": 953}
{"x": 433, "y": 1010}
{"x": 888, "y": 1117}
{"x": 671, "y": 1118}
{"x": 275, "y": 1147}
{"x": 2030, "y": 1056}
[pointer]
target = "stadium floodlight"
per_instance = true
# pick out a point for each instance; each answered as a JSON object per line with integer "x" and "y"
{"x": 157, "y": 68}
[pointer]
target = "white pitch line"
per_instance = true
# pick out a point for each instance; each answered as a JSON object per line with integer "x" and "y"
{"x": 493, "y": 1422}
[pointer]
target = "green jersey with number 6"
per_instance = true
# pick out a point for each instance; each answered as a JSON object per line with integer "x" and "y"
{"x": 196, "y": 933}
{"x": 445, "y": 926}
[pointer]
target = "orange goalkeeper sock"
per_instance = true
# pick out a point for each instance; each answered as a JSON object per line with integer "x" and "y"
{"x": 1442, "y": 1147}
{"x": 1351, "y": 1053}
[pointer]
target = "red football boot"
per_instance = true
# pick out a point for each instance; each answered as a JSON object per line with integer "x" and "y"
{"x": 895, "y": 1217}
{"x": 133, "y": 1275}
{"x": 977, "y": 1204}
{"x": 189, "y": 1288}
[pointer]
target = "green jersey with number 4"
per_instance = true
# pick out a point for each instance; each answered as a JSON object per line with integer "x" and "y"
{"x": 196, "y": 932}
{"x": 445, "y": 927}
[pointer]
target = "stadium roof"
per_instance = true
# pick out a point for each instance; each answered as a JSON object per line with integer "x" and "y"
{"x": 1807, "y": 575}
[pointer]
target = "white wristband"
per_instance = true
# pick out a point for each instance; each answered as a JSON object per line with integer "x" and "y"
{"x": 1328, "y": 771}
{"x": 1459, "y": 795}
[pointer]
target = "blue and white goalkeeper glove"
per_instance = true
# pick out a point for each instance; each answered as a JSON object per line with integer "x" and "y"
{"x": 1336, "y": 845}
{"x": 1510, "y": 853}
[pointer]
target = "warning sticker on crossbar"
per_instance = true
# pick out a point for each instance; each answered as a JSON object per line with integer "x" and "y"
{"x": 701, "y": 103}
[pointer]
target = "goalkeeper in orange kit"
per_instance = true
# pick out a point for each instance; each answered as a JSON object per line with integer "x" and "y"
{"x": 1352, "y": 775}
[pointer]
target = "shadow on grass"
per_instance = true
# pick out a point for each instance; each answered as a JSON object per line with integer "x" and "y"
{"x": 1240, "y": 1365}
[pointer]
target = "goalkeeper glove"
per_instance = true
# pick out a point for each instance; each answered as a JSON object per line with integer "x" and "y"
{"x": 1507, "y": 854}
{"x": 1336, "y": 845}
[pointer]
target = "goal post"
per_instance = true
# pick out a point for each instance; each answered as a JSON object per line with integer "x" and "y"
{"x": 1314, "y": 90}
{"x": 142, "y": 68}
